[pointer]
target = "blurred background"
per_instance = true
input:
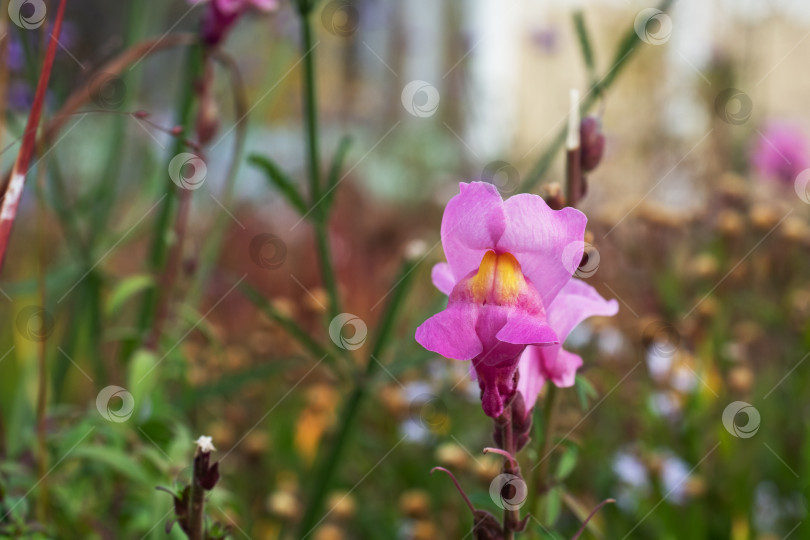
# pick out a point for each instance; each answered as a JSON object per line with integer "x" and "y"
{"x": 690, "y": 409}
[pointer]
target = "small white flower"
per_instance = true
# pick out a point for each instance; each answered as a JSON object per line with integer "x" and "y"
{"x": 205, "y": 444}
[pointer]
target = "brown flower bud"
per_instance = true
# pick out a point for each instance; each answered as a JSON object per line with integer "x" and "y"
{"x": 592, "y": 143}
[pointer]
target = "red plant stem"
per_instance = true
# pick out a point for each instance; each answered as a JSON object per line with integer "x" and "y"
{"x": 8, "y": 210}
{"x": 593, "y": 513}
{"x": 458, "y": 486}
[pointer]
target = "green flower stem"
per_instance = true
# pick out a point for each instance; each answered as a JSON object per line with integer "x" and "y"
{"x": 549, "y": 415}
{"x": 319, "y": 218}
{"x": 326, "y": 470}
{"x": 158, "y": 253}
{"x": 628, "y": 45}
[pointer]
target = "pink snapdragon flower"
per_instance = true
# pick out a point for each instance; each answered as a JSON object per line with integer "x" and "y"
{"x": 781, "y": 152}
{"x": 512, "y": 301}
{"x": 220, "y": 15}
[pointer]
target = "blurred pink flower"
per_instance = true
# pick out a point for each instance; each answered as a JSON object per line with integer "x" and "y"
{"x": 511, "y": 297}
{"x": 220, "y": 15}
{"x": 781, "y": 152}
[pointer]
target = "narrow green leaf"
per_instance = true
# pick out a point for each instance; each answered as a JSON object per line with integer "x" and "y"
{"x": 280, "y": 180}
{"x": 292, "y": 328}
{"x": 585, "y": 44}
{"x": 337, "y": 166}
{"x": 553, "y": 506}
{"x": 567, "y": 462}
{"x": 125, "y": 290}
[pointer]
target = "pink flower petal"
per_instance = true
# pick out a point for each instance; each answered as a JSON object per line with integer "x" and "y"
{"x": 560, "y": 368}
{"x": 443, "y": 278}
{"x": 473, "y": 222}
{"x": 451, "y": 333}
{"x": 265, "y": 5}
{"x": 576, "y": 302}
{"x": 531, "y": 379}
{"x": 547, "y": 243}
{"x": 524, "y": 329}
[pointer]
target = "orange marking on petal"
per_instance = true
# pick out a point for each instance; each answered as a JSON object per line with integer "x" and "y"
{"x": 499, "y": 279}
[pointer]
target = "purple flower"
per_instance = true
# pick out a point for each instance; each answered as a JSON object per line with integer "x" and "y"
{"x": 220, "y": 15}
{"x": 781, "y": 153}
{"x": 512, "y": 300}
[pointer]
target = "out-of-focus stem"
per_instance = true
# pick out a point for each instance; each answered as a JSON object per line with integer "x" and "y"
{"x": 159, "y": 251}
{"x": 42, "y": 382}
{"x": 320, "y": 219}
{"x": 573, "y": 171}
{"x": 326, "y": 470}
{"x": 549, "y": 415}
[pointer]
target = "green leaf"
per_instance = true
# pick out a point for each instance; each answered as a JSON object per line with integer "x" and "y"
{"x": 567, "y": 462}
{"x": 280, "y": 180}
{"x": 337, "y": 166}
{"x": 585, "y": 44}
{"x": 553, "y": 505}
{"x": 117, "y": 460}
{"x": 585, "y": 391}
{"x": 127, "y": 289}
{"x": 142, "y": 379}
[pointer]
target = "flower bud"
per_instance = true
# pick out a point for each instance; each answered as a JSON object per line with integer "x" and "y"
{"x": 592, "y": 143}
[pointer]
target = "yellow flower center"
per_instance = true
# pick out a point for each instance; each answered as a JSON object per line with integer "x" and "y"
{"x": 499, "y": 279}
